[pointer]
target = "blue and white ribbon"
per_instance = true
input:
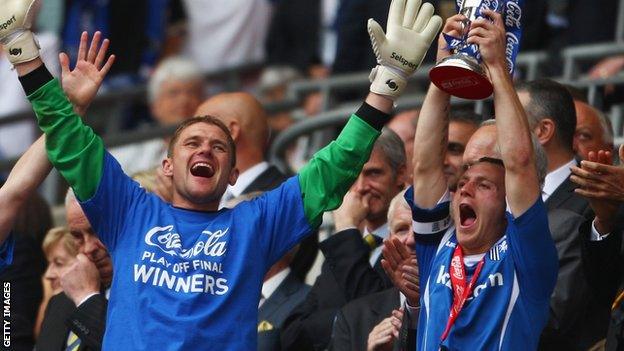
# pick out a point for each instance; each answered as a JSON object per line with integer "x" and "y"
{"x": 512, "y": 15}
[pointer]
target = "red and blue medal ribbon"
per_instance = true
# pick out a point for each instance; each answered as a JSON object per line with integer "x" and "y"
{"x": 461, "y": 290}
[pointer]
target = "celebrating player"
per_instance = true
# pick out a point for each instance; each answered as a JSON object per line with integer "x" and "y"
{"x": 486, "y": 275}
{"x": 186, "y": 274}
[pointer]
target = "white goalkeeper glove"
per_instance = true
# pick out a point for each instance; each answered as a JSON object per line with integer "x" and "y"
{"x": 410, "y": 31}
{"x": 16, "y": 17}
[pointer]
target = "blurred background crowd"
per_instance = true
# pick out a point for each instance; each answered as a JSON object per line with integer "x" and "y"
{"x": 299, "y": 68}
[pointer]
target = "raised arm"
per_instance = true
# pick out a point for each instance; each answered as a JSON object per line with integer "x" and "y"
{"x": 514, "y": 138}
{"x": 24, "y": 179}
{"x": 430, "y": 141}
{"x": 72, "y": 147}
{"x": 329, "y": 175}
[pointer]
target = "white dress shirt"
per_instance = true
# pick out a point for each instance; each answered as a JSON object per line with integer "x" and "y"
{"x": 269, "y": 287}
{"x": 554, "y": 179}
{"x": 382, "y": 232}
{"x": 243, "y": 181}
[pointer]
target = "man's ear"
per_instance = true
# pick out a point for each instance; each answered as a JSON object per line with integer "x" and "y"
{"x": 402, "y": 177}
{"x": 545, "y": 130}
{"x": 233, "y": 176}
{"x": 234, "y": 128}
{"x": 167, "y": 166}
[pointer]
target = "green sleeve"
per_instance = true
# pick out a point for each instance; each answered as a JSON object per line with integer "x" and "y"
{"x": 73, "y": 148}
{"x": 332, "y": 170}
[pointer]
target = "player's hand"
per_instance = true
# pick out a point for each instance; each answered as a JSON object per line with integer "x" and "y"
{"x": 409, "y": 33}
{"x": 82, "y": 84}
{"x": 490, "y": 36}
{"x": 16, "y": 17}
{"x": 453, "y": 27}
{"x": 353, "y": 210}
{"x": 81, "y": 279}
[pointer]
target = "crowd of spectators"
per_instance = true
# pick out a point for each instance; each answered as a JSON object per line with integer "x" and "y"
{"x": 350, "y": 286}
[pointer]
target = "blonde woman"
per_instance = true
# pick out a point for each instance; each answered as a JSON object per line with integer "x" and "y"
{"x": 60, "y": 250}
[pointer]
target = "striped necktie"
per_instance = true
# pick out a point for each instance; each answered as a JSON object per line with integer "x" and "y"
{"x": 73, "y": 343}
{"x": 372, "y": 240}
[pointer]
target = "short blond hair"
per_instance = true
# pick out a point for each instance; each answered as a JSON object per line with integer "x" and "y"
{"x": 59, "y": 235}
{"x": 146, "y": 179}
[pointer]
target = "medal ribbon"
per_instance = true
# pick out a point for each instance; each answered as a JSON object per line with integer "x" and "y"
{"x": 461, "y": 292}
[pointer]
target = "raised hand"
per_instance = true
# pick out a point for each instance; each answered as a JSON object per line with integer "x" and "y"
{"x": 353, "y": 210}
{"x": 83, "y": 82}
{"x": 18, "y": 42}
{"x": 602, "y": 183}
{"x": 401, "y": 266}
{"x": 81, "y": 279}
{"x": 409, "y": 33}
{"x": 453, "y": 27}
{"x": 490, "y": 37}
{"x": 383, "y": 335}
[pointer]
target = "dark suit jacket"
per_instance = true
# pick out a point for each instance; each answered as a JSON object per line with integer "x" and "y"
{"x": 357, "y": 319}
{"x": 88, "y": 322}
{"x": 578, "y": 316}
{"x": 308, "y": 248}
{"x": 290, "y": 293}
{"x": 346, "y": 275}
{"x": 24, "y": 276}
{"x": 270, "y": 179}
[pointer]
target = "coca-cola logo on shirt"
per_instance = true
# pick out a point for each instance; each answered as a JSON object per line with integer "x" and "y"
{"x": 212, "y": 244}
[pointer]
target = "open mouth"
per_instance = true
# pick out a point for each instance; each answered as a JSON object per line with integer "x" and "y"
{"x": 467, "y": 215}
{"x": 202, "y": 169}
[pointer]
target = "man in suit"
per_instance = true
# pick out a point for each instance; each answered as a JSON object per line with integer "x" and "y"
{"x": 282, "y": 291}
{"x": 76, "y": 318}
{"x": 352, "y": 257}
{"x": 578, "y": 318}
{"x": 247, "y": 121}
{"x": 355, "y": 322}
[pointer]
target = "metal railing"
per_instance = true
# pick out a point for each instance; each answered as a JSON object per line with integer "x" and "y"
{"x": 105, "y": 108}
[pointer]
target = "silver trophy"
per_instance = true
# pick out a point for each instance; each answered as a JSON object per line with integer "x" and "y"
{"x": 461, "y": 74}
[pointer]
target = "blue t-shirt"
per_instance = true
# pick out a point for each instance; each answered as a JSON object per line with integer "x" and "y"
{"x": 509, "y": 305}
{"x": 188, "y": 280}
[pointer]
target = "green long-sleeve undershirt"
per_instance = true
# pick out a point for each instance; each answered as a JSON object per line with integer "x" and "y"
{"x": 78, "y": 154}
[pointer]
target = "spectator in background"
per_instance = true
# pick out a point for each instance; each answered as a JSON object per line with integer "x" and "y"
{"x": 60, "y": 250}
{"x": 175, "y": 90}
{"x": 462, "y": 125}
{"x": 594, "y": 131}
{"x": 226, "y": 33}
{"x": 352, "y": 265}
{"x": 373, "y": 322}
{"x": 77, "y": 316}
{"x": 272, "y": 89}
{"x": 404, "y": 125}
{"x": 138, "y": 33}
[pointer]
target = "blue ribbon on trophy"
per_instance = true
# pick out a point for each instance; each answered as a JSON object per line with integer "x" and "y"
{"x": 461, "y": 73}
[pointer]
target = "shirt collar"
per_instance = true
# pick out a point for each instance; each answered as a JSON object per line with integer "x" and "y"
{"x": 246, "y": 178}
{"x": 269, "y": 287}
{"x": 556, "y": 178}
{"x": 381, "y": 231}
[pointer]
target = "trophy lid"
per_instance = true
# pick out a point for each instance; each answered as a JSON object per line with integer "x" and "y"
{"x": 461, "y": 78}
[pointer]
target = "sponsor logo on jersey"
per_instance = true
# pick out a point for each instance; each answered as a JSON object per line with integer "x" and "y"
{"x": 493, "y": 280}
